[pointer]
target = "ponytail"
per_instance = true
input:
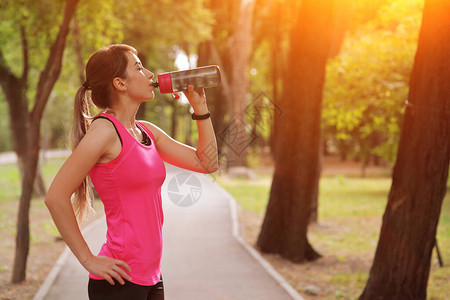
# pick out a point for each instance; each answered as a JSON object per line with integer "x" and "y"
{"x": 83, "y": 196}
{"x": 103, "y": 66}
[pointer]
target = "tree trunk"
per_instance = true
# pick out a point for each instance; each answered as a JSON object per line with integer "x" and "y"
{"x": 298, "y": 137}
{"x": 39, "y": 189}
{"x": 30, "y": 138}
{"x": 14, "y": 90}
{"x": 220, "y": 98}
{"x": 217, "y": 51}
{"x": 77, "y": 50}
{"x": 187, "y": 116}
{"x": 174, "y": 119}
{"x": 275, "y": 49}
{"x": 401, "y": 265}
{"x": 23, "y": 230}
{"x": 314, "y": 215}
{"x": 236, "y": 135}
{"x": 341, "y": 17}
{"x": 188, "y": 128}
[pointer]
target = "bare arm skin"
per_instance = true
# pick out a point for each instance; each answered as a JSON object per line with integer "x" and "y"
{"x": 92, "y": 147}
{"x": 204, "y": 159}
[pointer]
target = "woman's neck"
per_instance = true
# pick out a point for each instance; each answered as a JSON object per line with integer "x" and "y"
{"x": 125, "y": 114}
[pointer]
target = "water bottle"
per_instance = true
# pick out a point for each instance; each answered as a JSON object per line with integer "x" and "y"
{"x": 177, "y": 81}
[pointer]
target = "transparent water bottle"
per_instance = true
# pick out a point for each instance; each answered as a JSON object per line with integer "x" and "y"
{"x": 177, "y": 81}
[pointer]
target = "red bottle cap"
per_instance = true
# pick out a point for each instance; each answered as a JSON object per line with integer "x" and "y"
{"x": 165, "y": 83}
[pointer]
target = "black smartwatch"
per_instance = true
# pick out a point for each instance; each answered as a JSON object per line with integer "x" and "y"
{"x": 201, "y": 117}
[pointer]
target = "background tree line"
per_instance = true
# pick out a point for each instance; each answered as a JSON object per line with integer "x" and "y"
{"x": 359, "y": 120}
{"x": 354, "y": 56}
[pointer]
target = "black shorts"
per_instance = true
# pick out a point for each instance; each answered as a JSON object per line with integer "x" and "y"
{"x": 103, "y": 290}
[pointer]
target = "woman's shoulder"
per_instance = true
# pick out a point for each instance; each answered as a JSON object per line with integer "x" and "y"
{"x": 98, "y": 139}
{"x": 101, "y": 123}
{"x": 103, "y": 129}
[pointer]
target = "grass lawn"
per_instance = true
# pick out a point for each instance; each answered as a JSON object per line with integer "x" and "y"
{"x": 350, "y": 215}
{"x": 44, "y": 247}
{"x": 350, "y": 212}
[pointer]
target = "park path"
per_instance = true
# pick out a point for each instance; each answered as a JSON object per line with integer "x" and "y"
{"x": 204, "y": 256}
{"x": 11, "y": 157}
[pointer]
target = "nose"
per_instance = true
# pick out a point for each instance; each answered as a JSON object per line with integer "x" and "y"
{"x": 151, "y": 75}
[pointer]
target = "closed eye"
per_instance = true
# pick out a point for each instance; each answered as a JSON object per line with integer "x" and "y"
{"x": 140, "y": 67}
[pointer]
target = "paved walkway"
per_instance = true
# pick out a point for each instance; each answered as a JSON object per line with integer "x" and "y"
{"x": 203, "y": 255}
{"x": 11, "y": 157}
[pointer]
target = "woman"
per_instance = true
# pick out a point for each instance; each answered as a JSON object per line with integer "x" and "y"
{"x": 124, "y": 159}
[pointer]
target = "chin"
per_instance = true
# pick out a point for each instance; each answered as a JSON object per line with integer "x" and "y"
{"x": 150, "y": 98}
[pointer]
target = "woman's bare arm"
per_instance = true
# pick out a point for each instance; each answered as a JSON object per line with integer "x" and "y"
{"x": 93, "y": 145}
{"x": 204, "y": 159}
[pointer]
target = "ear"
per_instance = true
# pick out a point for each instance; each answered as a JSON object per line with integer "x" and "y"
{"x": 119, "y": 84}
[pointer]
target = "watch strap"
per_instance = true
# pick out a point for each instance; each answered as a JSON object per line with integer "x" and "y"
{"x": 201, "y": 117}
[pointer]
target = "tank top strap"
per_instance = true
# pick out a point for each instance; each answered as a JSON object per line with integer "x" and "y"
{"x": 125, "y": 137}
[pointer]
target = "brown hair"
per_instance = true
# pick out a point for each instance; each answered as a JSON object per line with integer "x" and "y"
{"x": 103, "y": 66}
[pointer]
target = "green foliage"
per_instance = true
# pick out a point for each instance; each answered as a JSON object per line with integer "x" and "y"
{"x": 365, "y": 88}
{"x": 40, "y": 21}
{"x": 367, "y": 84}
{"x": 158, "y": 30}
{"x": 97, "y": 27}
{"x": 154, "y": 28}
{"x": 271, "y": 44}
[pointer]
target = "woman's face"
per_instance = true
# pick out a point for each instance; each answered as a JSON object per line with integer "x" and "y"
{"x": 139, "y": 79}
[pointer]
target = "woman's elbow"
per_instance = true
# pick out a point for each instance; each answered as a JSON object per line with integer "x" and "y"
{"x": 206, "y": 166}
{"x": 212, "y": 168}
{"x": 51, "y": 199}
{"x": 206, "y": 169}
{"x": 48, "y": 200}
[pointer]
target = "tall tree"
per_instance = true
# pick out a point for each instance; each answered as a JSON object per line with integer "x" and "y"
{"x": 271, "y": 34}
{"x": 216, "y": 51}
{"x": 230, "y": 47}
{"x": 408, "y": 234}
{"x": 240, "y": 49}
{"x": 25, "y": 124}
{"x": 298, "y": 136}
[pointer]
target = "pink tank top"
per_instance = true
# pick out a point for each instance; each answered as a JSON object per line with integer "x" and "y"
{"x": 130, "y": 189}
